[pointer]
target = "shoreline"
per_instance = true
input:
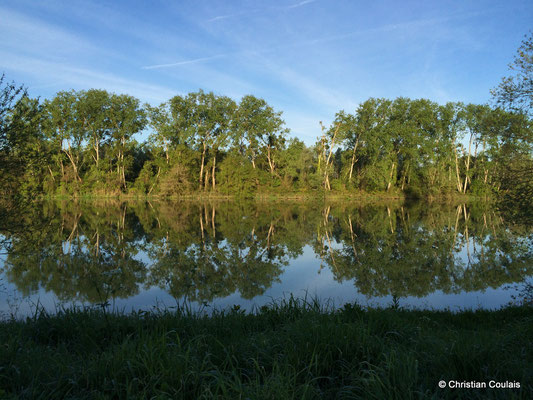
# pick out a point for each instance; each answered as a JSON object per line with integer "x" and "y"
{"x": 308, "y": 196}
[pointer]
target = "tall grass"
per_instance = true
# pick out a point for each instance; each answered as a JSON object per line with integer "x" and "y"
{"x": 291, "y": 349}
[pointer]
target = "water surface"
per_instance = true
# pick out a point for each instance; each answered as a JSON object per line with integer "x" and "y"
{"x": 140, "y": 255}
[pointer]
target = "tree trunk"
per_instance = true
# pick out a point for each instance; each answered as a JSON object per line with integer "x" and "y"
{"x": 213, "y": 171}
{"x": 270, "y": 161}
{"x": 71, "y": 158}
{"x": 51, "y": 174}
{"x": 155, "y": 180}
{"x": 97, "y": 148}
{"x": 467, "y": 178}
{"x": 202, "y": 164}
{"x": 353, "y": 159}
{"x": 390, "y": 177}
{"x": 326, "y": 172}
{"x": 405, "y": 175}
{"x": 206, "y": 180}
{"x": 252, "y": 153}
{"x": 459, "y": 181}
{"x": 326, "y": 182}
{"x": 122, "y": 162}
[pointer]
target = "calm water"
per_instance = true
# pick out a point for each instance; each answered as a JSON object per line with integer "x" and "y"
{"x": 218, "y": 254}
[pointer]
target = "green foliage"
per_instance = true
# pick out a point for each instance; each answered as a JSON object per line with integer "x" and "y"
{"x": 258, "y": 129}
{"x": 175, "y": 182}
{"x": 516, "y": 92}
{"x": 237, "y": 176}
{"x": 83, "y": 143}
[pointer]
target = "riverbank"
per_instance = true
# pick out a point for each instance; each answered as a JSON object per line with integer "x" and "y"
{"x": 318, "y": 195}
{"x": 289, "y": 349}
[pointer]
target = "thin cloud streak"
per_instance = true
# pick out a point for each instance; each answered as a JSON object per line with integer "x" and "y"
{"x": 256, "y": 11}
{"x": 327, "y": 39}
{"x": 389, "y": 28}
{"x": 300, "y": 4}
{"x": 240, "y": 14}
{"x": 185, "y": 62}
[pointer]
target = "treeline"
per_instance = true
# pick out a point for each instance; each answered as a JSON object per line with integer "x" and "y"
{"x": 84, "y": 143}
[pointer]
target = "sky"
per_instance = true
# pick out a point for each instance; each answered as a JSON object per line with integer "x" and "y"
{"x": 306, "y": 58}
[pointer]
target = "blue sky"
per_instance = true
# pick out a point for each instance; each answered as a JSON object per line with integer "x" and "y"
{"x": 307, "y": 58}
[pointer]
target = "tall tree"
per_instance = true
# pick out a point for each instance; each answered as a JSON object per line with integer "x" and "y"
{"x": 166, "y": 132}
{"x": 66, "y": 129}
{"x": 10, "y": 95}
{"x": 515, "y": 92}
{"x": 126, "y": 118}
{"x": 205, "y": 120}
{"x": 93, "y": 110}
{"x": 327, "y": 144}
{"x": 257, "y": 126}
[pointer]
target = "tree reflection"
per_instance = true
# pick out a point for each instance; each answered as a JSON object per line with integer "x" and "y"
{"x": 234, "y": 254}
{"x": 418, "y": 251}
{"x": 82, "y": 257}
{"x": 95, "y": 252}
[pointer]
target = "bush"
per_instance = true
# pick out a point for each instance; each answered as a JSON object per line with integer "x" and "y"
{"x": 175, "y": 182}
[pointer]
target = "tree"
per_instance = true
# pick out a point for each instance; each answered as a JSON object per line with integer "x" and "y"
{"x": 166, "y": 132}
{"x": 65, "y": 129}
{"x": 296, "y": 164}
{"x": 260, "y": 127}
{"x": 29, "y": 152}
{"x": 371, "y": 137}
{"x": 92, "y": 108}
{"x": 126, "y": 118}
{"x": 10, "y": 95}
{"x": 205, "y": 120}
{"x": 515, "y": 92}
{"x": 329, "y": 140}
{"x": 449, "y": 121}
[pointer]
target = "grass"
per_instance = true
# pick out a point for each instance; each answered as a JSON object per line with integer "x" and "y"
{"x": 308, "y": 194}
{"x": 291, "y": 349}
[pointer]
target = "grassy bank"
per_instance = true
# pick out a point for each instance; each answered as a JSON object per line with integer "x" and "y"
{"x": 284, "y": 351}
{"x": 271, "y": 195}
